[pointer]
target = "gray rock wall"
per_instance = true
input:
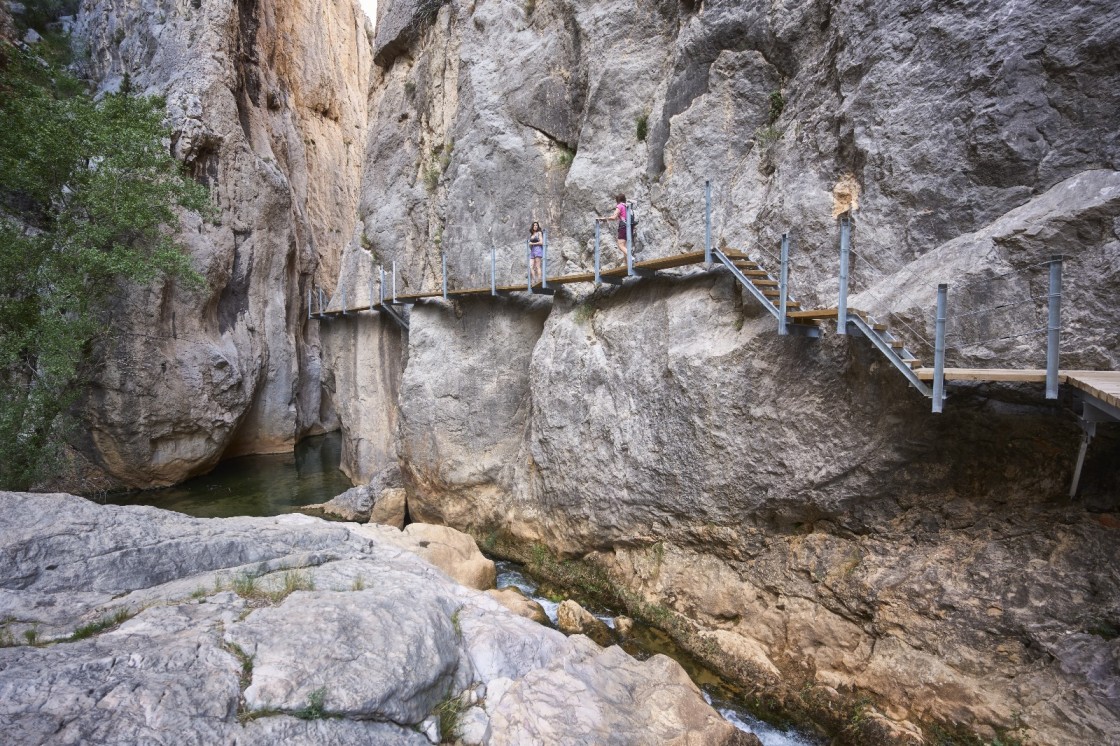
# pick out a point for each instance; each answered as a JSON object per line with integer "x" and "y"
{"x": 266, "y": 103}
{"x": 793, "y": 501}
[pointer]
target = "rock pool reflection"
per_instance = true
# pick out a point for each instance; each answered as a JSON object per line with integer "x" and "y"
{"x": 255, "y": 485}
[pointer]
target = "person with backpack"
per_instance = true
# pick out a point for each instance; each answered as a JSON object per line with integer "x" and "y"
{"x": 620, "y": 215}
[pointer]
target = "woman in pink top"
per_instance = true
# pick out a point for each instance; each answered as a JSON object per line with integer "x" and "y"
{"x": 620, "y": 216}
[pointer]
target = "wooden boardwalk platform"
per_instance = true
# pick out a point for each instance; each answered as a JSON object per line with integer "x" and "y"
{"x": 1102, "y": 384}
{"x": 648, "y": 265}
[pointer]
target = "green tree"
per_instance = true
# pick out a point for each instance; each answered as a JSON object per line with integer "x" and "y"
{"x": 88, "y": 200}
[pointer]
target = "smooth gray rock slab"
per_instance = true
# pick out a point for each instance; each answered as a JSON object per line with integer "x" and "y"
{"x": 233, "y": 625}
{"x": 384, "y": 654}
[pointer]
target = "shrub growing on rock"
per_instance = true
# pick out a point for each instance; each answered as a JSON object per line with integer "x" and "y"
{"x": 88, "y": 199}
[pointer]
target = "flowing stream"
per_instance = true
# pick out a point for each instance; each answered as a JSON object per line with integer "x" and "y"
{"x": 273, "y": 485}
{"x": 644, "y": 642}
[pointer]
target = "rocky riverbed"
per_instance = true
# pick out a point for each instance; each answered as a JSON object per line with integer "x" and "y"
{"x": 126, "y": 624}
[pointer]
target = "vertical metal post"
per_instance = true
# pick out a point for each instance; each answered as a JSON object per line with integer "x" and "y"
{"x": 1053, "y": 326}
{"x": 528, "y": 266}
{"x": 321, "y": 301}
{"x": 629, "y": 239}
{"x": 939, "y": 350}
{"x": 708, "y": 222}
{"x": 783, "y": 287}
{"x": 544, "y": 261}
{"x": 308, "y": 302}
{"x": 598, "y": 281}
{"x": 394, "y": 281}
{"x": 493, "y": 270}
{"x": 845, "y": 248}
{"x": 443, "y": 261}
{"x": 381, "y": 285}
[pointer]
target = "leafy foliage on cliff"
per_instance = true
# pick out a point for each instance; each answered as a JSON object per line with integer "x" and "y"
{"x": 88, "y": 199}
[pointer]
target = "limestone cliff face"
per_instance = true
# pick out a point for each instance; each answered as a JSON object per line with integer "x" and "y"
{"x": 267, "y": 103}
{"x": 792, "y": 500}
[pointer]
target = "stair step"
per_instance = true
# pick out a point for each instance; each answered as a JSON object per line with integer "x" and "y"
{"x": 879, "y": 327}
{"x": 772, "y": 293}
{"x": 765, "y": 283}
{"x": 755, "y": 273}
{"x": 790, "y": 305}
{"x": 898, "y": 344}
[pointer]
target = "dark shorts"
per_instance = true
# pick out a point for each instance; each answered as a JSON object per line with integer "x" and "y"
{"x": 537, "y": 250}
{"x": 622, "y": 230}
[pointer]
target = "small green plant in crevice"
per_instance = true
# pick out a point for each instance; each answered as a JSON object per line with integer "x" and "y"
{"x": 455, "y": 623}
{"x": 767, "y": 136}
{"x": 31, "y": 635}
{"x": 450, "y": 713}
{"x": 89, "y": 630}
{"x": 246, "y": 676}
{"x": 247, "y": 586}
{"x": 530, "y": 6}
{"x": 583, "y": 313}
{"x": 737, "y": 324}
{"x": 858, "y": 715}
{"x": 359, "y": 584}
{"x": 313, "y": 710}
{"x": 445, "y": 155}
{"x": 777, "y": 106}
{"x": 565, "y": 156}
{"x": 641, "y": 127}
{"x": 6, "y": 638}
{"x": 409, "y": 88}
{"x": 431, "y": 177}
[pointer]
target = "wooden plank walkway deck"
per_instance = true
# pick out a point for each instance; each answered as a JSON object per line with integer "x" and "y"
{"x": 648, "y": 265}
{"x": 1102, "y": 384}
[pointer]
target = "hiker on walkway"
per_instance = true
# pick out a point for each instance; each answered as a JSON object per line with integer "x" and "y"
{"x": 536, "y": 251}
{"x": 620, "y": 216}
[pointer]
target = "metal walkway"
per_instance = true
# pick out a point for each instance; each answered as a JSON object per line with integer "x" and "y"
{"x": 1094, "y": 396}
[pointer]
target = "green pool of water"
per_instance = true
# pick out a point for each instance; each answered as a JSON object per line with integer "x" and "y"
{"x": 255, "y": 485}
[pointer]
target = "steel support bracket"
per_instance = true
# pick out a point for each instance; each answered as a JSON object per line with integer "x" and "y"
{"x": 754, "y": 291}
{"x": 803, "y": 330}
{"x": 395, "y": 315}
{"x": 889, "y": 353}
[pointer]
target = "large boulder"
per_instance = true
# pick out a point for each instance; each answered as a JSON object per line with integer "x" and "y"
{"x": 573, "y": 619}
{"x": 355, "y": 504}
{"x": 452, "y": 551}
{"x": 513, "y": 599}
